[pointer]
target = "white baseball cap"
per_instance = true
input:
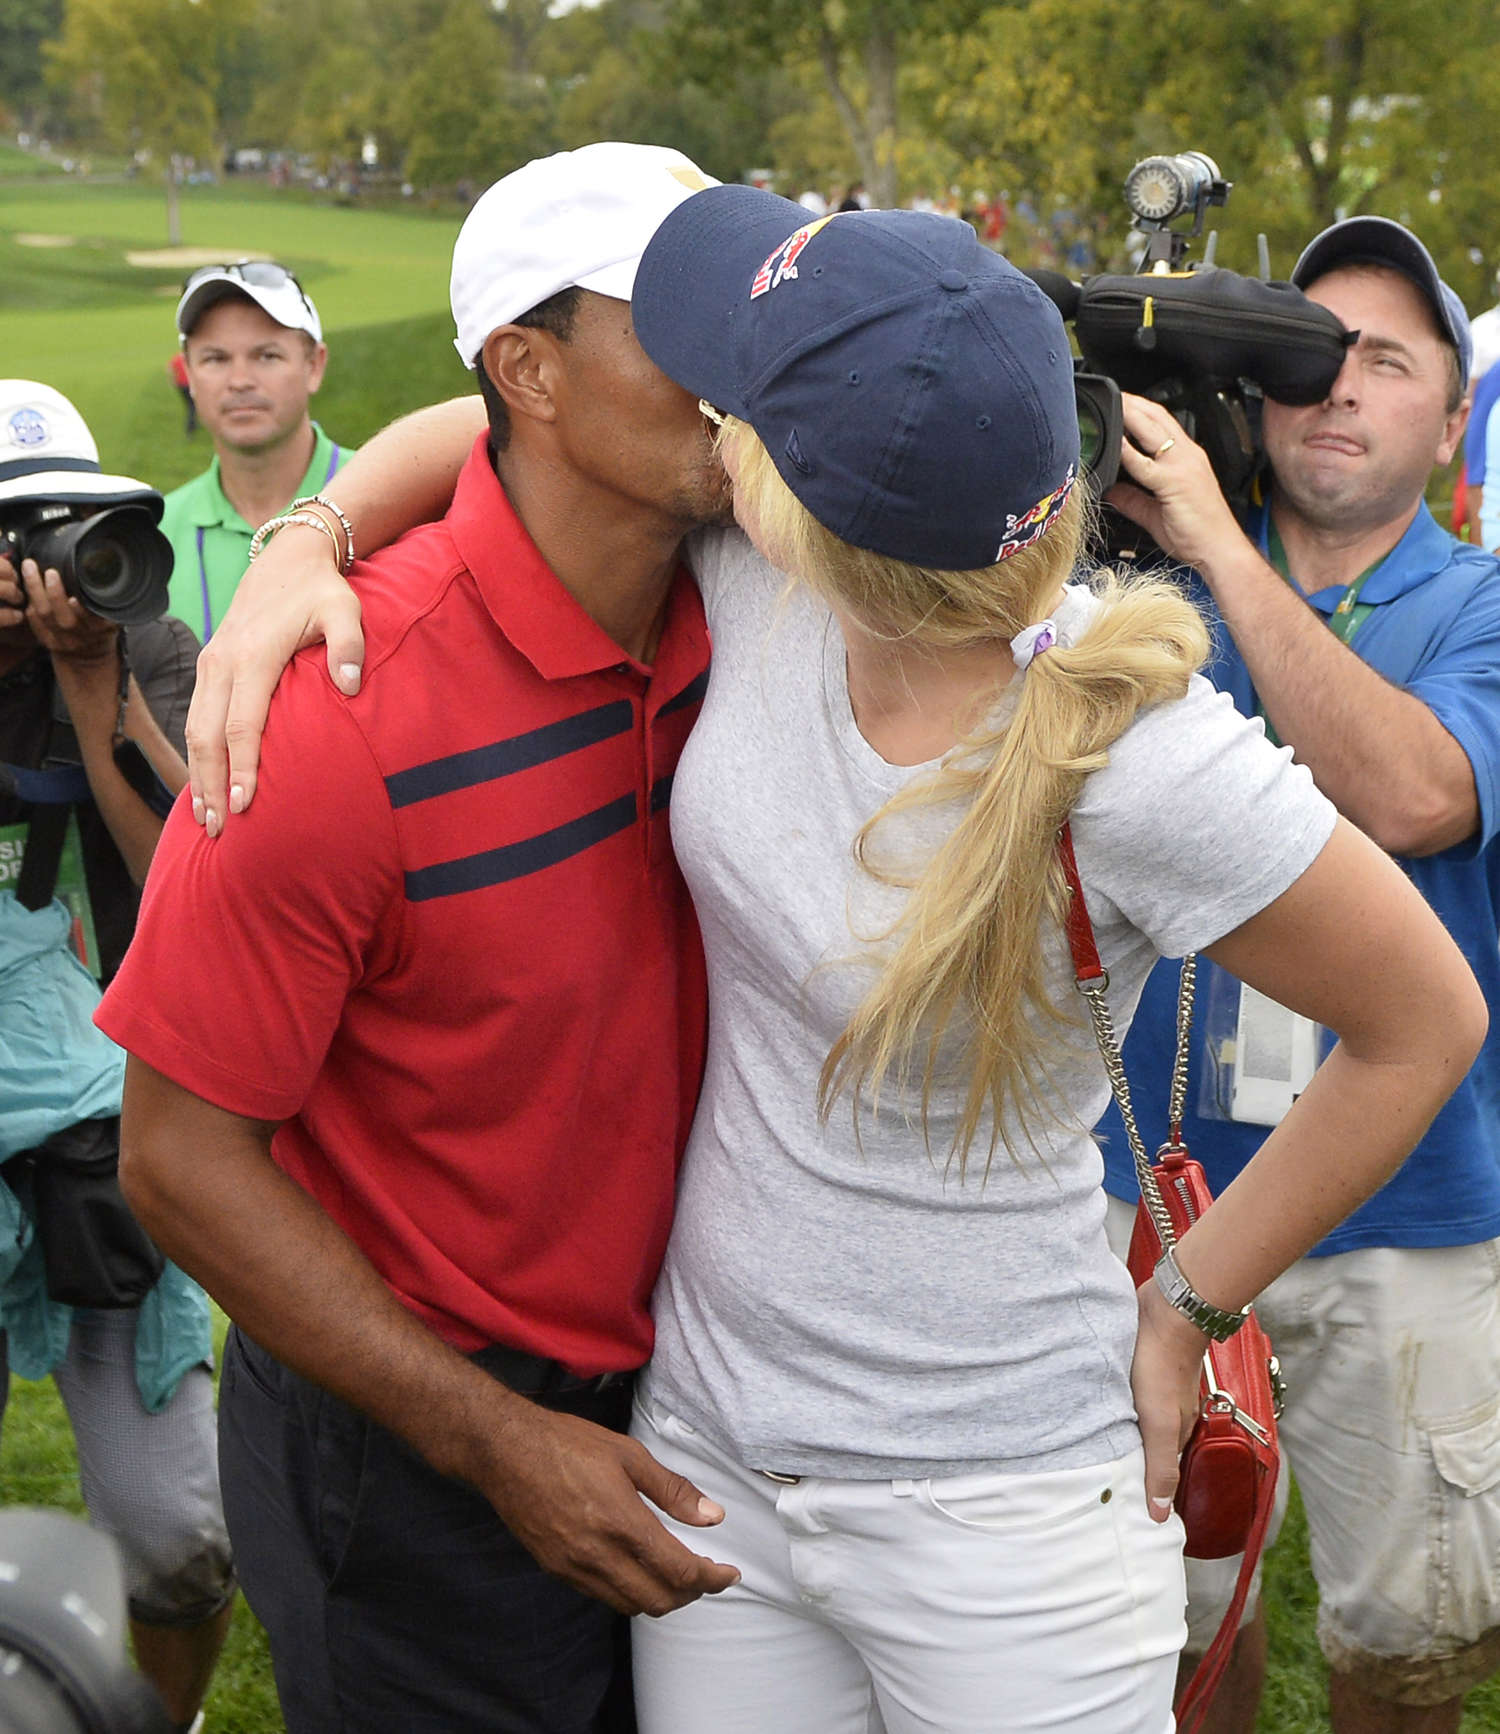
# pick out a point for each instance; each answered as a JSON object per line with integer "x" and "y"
{"x": 270, "y": 286}
{"x": 48, "y": 453}
{"x": 578, "y": 219}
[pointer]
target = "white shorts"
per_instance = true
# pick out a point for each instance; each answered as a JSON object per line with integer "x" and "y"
{"x": 1391, "y": 1357}
{"x": 974, "y": 1604}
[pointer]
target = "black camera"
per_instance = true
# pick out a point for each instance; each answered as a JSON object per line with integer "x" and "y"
{"x": 1207, "y": 344}
{"x": 63, "y": 1668}
{"x": 116, "y": 562}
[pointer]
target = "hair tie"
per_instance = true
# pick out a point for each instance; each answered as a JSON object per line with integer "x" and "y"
{"x": 1028, "y": 645}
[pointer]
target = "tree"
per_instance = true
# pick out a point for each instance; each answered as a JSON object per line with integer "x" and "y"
{"x": 859, "y": 46}
{"x": 146, "y": 74}
{"x": 24, "y": 26}
{"x": 468, "y": 114}
{"x": 617, "y": 75}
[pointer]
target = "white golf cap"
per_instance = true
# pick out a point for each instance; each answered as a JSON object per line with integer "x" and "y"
{"x": 270, "y": 286}
{"x": 578, "y": 219}
{"x": 48, "y": 453}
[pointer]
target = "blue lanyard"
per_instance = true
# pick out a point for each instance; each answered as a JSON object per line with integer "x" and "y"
{"x": 208, "y": 623}
{"x": 208, "y": 619}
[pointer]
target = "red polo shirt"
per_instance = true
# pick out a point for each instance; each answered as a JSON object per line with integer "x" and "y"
{"x": 449, "y": 947}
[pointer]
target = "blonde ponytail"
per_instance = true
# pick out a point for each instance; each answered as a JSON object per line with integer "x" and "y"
{"x": 963, "y": 993}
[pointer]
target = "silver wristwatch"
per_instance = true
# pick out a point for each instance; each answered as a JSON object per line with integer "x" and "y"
{"x": 1213, "y": 1321}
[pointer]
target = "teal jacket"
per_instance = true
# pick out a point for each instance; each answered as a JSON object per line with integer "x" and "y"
{"x": 57, "y": 1068}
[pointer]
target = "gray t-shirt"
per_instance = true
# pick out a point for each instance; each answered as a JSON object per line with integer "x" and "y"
{"x": 841, "y": 1304}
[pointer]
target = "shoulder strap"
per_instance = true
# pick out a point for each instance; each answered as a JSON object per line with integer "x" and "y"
{"x": 52, "y": 792}
{"x": 1092, "y": 981}
{"x": 44, "y": 846}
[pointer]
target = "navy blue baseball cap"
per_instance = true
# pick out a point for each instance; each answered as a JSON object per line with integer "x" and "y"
{"x": 913, "y": 389}
{"x": 1379, "y": 241}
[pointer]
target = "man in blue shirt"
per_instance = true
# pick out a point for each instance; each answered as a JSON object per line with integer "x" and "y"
{"x": 1369, "y": 639}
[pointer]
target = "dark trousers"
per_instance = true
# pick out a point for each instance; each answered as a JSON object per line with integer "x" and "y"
{"x": 395, "y": 1600}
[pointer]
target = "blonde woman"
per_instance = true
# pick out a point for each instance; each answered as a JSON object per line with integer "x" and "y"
{"x": 892, "y": 1341}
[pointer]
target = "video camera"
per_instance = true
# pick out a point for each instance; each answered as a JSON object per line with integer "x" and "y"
{"x": 1206, "y": 343}
{"x": 63, "y": 1668}
{"x": 116, "y": 562}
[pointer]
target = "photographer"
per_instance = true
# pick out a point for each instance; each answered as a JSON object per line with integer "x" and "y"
{"x": 85, "y": 727}
{"x": 1369, "y": 639}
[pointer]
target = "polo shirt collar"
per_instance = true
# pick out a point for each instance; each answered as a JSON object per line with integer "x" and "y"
{"x": 209, "y": 506}
{"x": 1424, "y": 550}
{"x": 524, "y": 596}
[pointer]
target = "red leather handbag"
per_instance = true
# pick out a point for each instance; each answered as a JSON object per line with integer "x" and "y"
{"x": 1227, "y": 1473}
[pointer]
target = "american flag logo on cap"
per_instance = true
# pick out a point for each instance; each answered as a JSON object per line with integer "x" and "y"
{"x": 783, "y": 262}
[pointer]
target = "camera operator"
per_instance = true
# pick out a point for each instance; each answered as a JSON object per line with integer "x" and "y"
{"x": 1369, "y": 639}
{"x": 84, "y": 725}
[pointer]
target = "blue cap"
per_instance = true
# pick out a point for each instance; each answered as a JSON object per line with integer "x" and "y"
{"x": 913, "y": 389}
{"x": 1379, "y": 241}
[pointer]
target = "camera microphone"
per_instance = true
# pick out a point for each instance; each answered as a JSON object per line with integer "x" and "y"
{"x": 1062, "y": 291}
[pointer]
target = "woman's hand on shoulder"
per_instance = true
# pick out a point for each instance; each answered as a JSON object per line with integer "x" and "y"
{"x": 291, "y": 597}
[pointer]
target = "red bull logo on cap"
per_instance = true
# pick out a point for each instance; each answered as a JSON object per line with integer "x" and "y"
{"x": 1022, "y": 531}
{"x": 783, "y": 262}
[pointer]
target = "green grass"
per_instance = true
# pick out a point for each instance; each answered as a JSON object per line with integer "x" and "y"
{"x": 99, "y": 329}
{"x": 16, "y": 162}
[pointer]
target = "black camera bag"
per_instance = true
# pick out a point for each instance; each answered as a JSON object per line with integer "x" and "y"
{"x": 94, "y": 1251}
{"x": 1211, "y": 326}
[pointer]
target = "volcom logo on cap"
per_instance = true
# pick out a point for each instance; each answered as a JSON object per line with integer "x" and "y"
{"x": 28, "y": 427}
{"x": 1021, "y": 532}
{"x": 783, "y": 262}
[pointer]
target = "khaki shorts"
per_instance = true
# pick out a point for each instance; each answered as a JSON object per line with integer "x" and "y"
{"x": 1391, "y": 1357}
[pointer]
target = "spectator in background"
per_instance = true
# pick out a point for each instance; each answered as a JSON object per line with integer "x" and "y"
{"x": 1370, "y": 641}
{"x": 178, "y": 373}
{"x": 1484, "y": 333}
{"x": 75, "y": 841}
{"x": 253, "y": 348}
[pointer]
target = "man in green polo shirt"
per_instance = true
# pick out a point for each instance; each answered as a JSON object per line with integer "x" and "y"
{"x": 255, "y": 355}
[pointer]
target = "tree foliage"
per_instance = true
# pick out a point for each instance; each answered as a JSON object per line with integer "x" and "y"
{"x": 859, "y": 47}
{"x": 24, "y": 26}
{"x": 1312, "y": 107}
{"x": 146, "y": 74}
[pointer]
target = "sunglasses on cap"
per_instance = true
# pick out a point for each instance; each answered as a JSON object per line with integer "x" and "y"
{"x": 258, "y": 273}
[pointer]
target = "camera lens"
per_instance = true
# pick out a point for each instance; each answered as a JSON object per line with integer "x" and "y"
{"x": 1101, "y": 427}
{"x": 1090, "y": 436}
{"x": 117, "y": 563}
{"x": 102, "y": 569}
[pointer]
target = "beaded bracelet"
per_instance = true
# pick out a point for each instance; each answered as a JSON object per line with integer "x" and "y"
{"x": 272, "y": 525}
{"x": 328, "y": 506}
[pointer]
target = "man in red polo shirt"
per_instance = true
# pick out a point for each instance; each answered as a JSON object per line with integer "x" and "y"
{"x": 415, "y": 1044}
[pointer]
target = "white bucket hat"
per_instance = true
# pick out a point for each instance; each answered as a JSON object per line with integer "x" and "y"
{"x": 48, "y": 453}
{"x": 578, "y": 219}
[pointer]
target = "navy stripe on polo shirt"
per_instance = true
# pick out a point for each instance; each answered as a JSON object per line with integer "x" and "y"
{"x": 470, "y": 985}
{"x": 501, "y": 758}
